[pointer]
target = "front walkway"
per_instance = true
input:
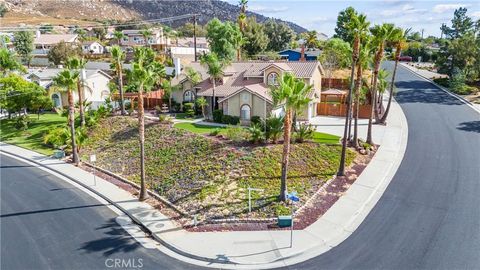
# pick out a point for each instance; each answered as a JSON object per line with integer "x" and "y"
{"x": 256, "y": 249}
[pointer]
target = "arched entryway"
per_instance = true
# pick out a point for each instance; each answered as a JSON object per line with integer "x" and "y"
{"x": 57, "y": 101}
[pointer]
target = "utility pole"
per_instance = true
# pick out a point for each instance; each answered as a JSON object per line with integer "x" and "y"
{"x": 422, "y": 33}
{"x": 195, "y": 36}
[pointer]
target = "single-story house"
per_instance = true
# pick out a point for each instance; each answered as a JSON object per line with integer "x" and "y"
{"x": 95, "y": 90}
{"x": 44, "y": 42}
{"x": 244, "y": 88}
{"x": 92, "y": 47}
{"x": 135, "y": 37}
{"x": 296, "y": 54}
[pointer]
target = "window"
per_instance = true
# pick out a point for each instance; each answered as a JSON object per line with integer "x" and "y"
{"x": 272, "y": 79}
{"x": 56, "y": 100}
{"x": 245, "y": 112}
{"x": 188, "y": 96}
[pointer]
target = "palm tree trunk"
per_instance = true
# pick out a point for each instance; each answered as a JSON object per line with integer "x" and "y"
{"x": 238, "y": 55}
{"x": 71, "y": 120}
{"x": 341, "y": 167}
{"x": 213, "y": 98}
{"x": 80, "y": 102}
{"x": 392, "y": 84}
{"x": 120, "y": 89}
{"x": 378, "y": 60}
{"x": 358, "y": 85}
{"x": 286, "y": 153}
{"x": 370, "y": 118}
{"x": 141, "y": 135}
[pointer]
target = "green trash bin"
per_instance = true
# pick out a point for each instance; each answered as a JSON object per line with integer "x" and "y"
{"x": 58, "y": 154}
{"x": 284, "y": 221}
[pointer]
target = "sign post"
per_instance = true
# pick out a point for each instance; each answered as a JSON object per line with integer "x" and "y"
{"x": 250, "y": 197}
{"x": 93, "y": 159}
{"x": 292, "y": 196}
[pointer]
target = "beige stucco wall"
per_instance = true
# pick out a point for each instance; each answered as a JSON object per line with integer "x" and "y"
{"x": 257, "y": 104}
{"x": 270, "y": 70}
{"x": 178, "y": 95}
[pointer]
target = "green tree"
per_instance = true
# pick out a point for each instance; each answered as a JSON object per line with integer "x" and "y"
{"x": 215, "y": 71}
{"x": 117, "y": 58}
{"x": 23, "y": 43}
{"x": 187, "y": 30}
{"x": 8, "y": 62}
{"x": 256, "y": 41}
{"x": 193, "y": 76}
{"x": 221, "y": 37}
{"x": 343, "y": 19}
{"x": 66, "y": 80}
{"x": 78, "y": 65}
{"x": 336, "y": 54}
{"x": 461, "y": 25}
{"x": 61, "y": 52}
{"x": 100, "y": 32}
{"x": 242, "y": 17}
{"x": 145, "y": 72}
{"x": 292, "y": 93}
{"x": 117, "y": 36}
{"x": 3, "y": 10}
{"x": 311, "y": 40}
{"x": 18, "y": 94}
{"x": 202, "y": 103}
{"x": 280, "y": 35}
{"x": 146, "y": 33}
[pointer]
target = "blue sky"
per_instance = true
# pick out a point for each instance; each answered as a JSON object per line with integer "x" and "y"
{"x": 321, "y": 15}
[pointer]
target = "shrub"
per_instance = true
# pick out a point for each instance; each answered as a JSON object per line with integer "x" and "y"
{"x": 158, "y": 109}
{"x": 230, "y": 120}
{"x": 217, "y": 116}
{"x": 274, "y": 128}
{"x": 22, "y": 122}
{"x": 256, "y": 133}
{"x": 235, "y": 134}
{"x": 56, "y": 137}
{"x": 305, "y": 132}
{"x": 162, "y": 118}
{"x": 188, "y": 108}
{"x": 214, "y": 132}
{"x": 255, "y": 120}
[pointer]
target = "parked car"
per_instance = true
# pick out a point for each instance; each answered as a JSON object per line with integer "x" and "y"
{"x": 405, "y": 58}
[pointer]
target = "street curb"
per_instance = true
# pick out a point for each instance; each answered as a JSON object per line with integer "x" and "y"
{"x": 133, "y": 218}
{"x": 468, "y": 103}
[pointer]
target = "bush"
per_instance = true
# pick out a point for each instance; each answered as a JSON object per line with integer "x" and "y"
{"x": 22, "y": 122}
{"x": 230, "y": 120}
{"x": 235, "y": 134}
{"x": 274, "y": 128}
{"x": 162, "y": 118}
{"x": 214, "y": 132}
{"x": 217, "y": 116}
{"x": 57, "y": 137}
{"x": 255, "y": 120}
{"x": 158, "y": 109}
{"x": 188, "y": 108}
{"x": 256, "y": 133}
{"x": 305, "y": 132}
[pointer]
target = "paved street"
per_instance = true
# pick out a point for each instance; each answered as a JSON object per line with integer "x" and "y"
{"x": 49, "y": 224}
{"x": 429, "y": 217}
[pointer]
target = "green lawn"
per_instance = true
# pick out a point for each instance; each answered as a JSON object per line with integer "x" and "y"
{"x": 33, "y": 137}
{"x": 320, "y": 137}
{"x": 183, "y": 116}
{"x": 196, "y": 128}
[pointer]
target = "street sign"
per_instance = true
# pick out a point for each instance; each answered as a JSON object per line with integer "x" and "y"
{"x": 93, "y": 158}
{"x": 293, "y": 196}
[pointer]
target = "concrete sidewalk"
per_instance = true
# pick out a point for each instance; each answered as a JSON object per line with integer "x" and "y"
{"x": 256, "y": 249}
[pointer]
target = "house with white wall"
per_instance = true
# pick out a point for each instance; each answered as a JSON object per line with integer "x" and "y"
{"x": 44, "y": 42}
{"x": 92, "y": 47}
{"x": 133, "y": 38}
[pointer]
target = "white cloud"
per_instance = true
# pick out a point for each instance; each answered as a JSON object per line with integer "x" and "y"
{"x": 476, "y": 14}
{"x": 264, "y": 9}
{"x": 403, "y": 10}
{"x": 441, "y": 8}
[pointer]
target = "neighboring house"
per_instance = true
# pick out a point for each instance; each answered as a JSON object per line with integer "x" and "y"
{"x": 92, "y": 47}
{"x": 134, "y": 38}
{"x": 244, "y": 89}
{"x": 296, "y": 54}
{"x": 189, "y": 42}
{"x": 44, "y": 42}
{"x": 184, "y": 48}
{"x": 96, "y": 88}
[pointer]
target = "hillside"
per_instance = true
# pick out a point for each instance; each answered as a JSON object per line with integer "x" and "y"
{"x": 38, "y": 10}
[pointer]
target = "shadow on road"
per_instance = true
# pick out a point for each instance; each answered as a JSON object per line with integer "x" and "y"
{"x": 432, "y": 96}
{"x": 472, "y": 126}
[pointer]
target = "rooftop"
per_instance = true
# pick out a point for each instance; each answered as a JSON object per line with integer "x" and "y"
{"x": 50, "y": 39}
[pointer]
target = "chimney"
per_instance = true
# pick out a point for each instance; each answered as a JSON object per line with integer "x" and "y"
{"x": 178, "y": 66}
{"x": 302, "y": 53}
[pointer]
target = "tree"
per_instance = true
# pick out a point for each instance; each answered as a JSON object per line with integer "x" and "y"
{"x": 3, "y": 10}
{"x": 215, "y": 71}
{"x": 221, "y": 38}
{"x": 341, "y": 30}
{"x": 187, "y": 30}
{"x": 461, "y": 25}
{"x": 242, "y": 17}
{"x": 23, "y": 43}
{"x": 117, "y": 36}
{"x": 18, "y": 94}
{"x": 336, "y": 54}
{"x": 66, "y": 80}
{"x": 399, "y": 40}
{"x": 78, "y": 65}
{"x": 61, "y": 52}
{"x": 8, "y": 62}
{"x": 280, "y": 35}
{"x": 202, "y": 103}
{"x": 311, "y": 40}
{"x": 358, "y": 28}
{"x": 256, "y": 41}
{"x": 118, "y": 56}
{"x": 193, "y": 76}
{"x": 146, "y": 33}
{"x": 292, "y": 93}
{"x": 145, "y": 72}
{"x": 100, "y": 32}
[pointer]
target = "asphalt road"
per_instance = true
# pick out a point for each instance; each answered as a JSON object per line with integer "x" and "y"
{"x": 429, "y": 216}
{"x": 47, "y": 223}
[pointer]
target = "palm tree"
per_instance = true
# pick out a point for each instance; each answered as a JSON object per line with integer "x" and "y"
{"x": 202, "y": 103}
{"x": 291, "y": 93}
{"x": 311, "y": 39}
{"x": 118, "y": 56}
{"x": 238, "y": 42}
{"x": 146, "y": 33}
{"x": 215, "y": 70}
{"x": 67, "y": 79}
{"x": 118, "y": 35}
{"x": 242, "y": 18}
{"x": 78, "y": 64}
{"x": 358, "y": 26}
{"x": 146, "y": 74}
{"x": 399, "y": 40}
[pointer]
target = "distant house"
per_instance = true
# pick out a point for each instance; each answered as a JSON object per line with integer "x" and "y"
{"x": 92, "y": 47}
{"x": 296, "y": 54}
{"x": 44, "y": 42}
{"x": 243, "y": 90}
{"x": 189, "y": 42}
{"x": 96, "y": 88}
{"x": 134, "y": 38}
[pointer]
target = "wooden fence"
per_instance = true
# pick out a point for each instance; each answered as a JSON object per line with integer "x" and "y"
{"x": 150, "y": 99}
{"x": 337, "y": 109}
{"x": 340, "y": 84}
